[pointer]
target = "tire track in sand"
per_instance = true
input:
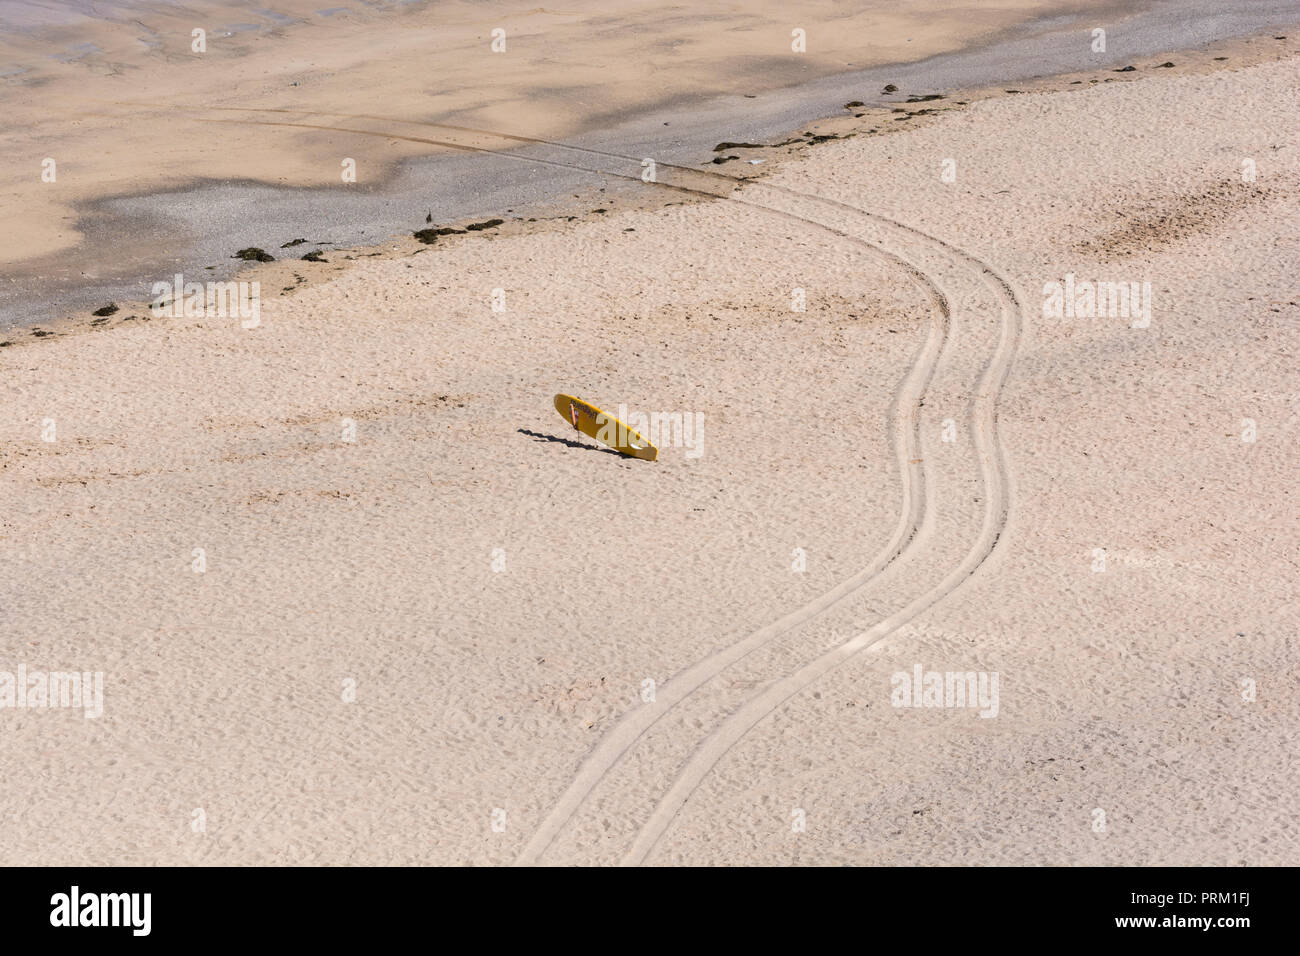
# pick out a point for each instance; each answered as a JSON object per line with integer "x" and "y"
{"x": 997, "y": 509}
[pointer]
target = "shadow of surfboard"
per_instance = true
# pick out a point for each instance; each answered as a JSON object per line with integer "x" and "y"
{"x": 541, "y": 436}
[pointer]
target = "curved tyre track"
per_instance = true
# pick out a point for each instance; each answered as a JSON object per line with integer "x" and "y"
{"x": 734, "y": 727}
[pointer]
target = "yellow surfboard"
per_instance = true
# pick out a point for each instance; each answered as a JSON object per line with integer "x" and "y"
{"x": 604, "y": 427}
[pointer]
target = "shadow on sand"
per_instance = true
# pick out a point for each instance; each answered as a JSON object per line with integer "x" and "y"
{"x": 540, "y": 436}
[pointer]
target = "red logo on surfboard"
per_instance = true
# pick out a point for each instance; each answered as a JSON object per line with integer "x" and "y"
{"x": 573, "y": 414}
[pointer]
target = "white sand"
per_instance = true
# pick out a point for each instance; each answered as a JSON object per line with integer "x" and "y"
{"x": 479, "y": 690}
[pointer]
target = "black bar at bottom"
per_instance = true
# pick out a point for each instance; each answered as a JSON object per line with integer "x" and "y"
{"x": 930, "y": 907}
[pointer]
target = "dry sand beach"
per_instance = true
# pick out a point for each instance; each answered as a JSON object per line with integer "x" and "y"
{"x": 359, "y": 596}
